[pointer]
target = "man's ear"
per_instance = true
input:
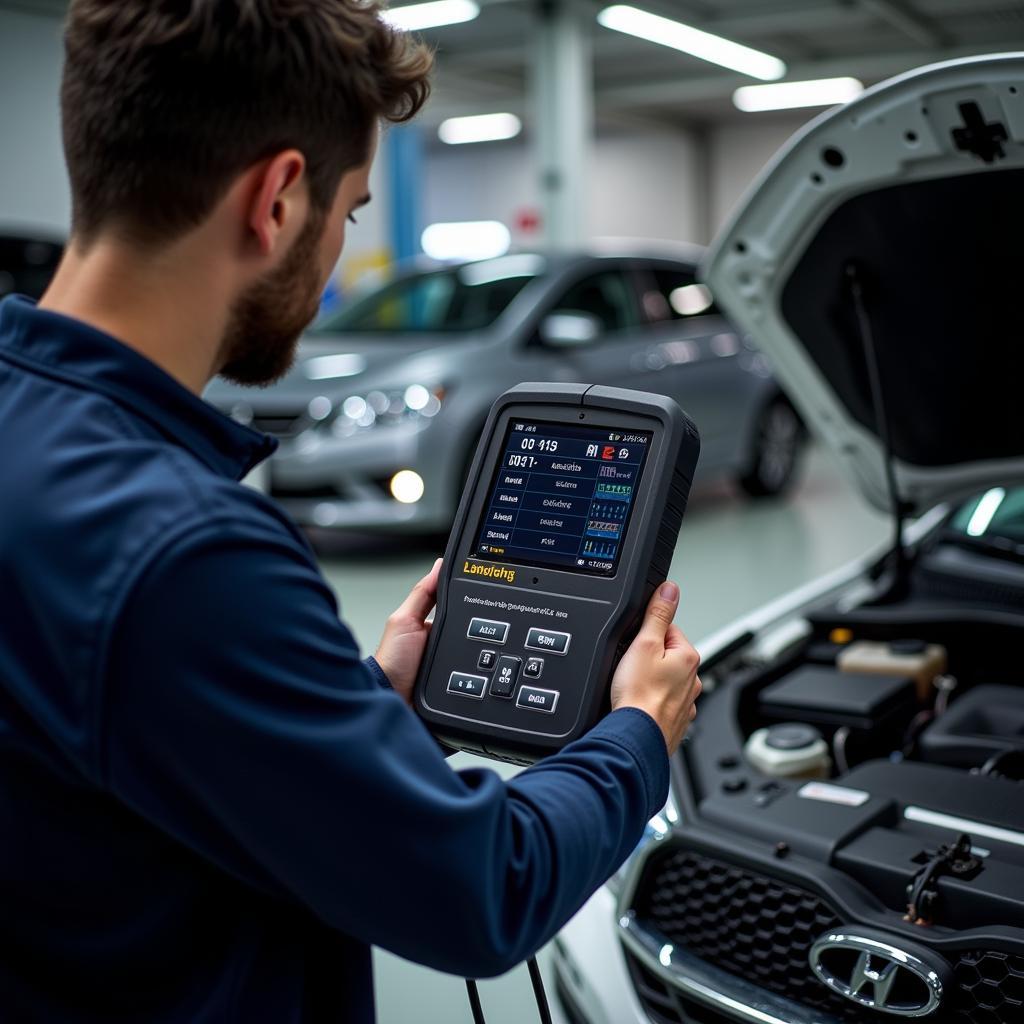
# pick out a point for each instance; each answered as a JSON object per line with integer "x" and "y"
{"x": 279, "y": 202}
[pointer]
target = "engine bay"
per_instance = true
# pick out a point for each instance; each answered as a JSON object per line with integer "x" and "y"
{"x": 874, "y": 745}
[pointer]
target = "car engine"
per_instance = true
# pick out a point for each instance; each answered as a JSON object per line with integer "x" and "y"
{"x": 865, "y": 784}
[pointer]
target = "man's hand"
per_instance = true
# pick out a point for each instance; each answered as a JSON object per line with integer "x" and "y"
{"x": 658, "y": 673}
{"x": 405, "y": 635}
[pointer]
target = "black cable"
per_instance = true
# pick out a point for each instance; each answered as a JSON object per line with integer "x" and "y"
{"x": 538, "y": 990}
{"x": 538, "y": 993}
{"x": 474, "y": 1002}
{"x": 867, "y": 340}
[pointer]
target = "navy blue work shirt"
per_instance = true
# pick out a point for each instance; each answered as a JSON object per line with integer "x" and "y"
{"x": 210, "y": 807}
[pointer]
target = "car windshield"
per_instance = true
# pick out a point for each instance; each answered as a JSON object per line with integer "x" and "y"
{"x": 466, "y": 298}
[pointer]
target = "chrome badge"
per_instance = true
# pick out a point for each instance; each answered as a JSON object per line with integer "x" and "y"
{"x": 870, "y": 971}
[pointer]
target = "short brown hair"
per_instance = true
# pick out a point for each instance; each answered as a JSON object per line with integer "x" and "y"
{"x": 165, "y": 102}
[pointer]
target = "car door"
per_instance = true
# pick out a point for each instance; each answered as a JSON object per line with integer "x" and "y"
{"x": 691, "y": 353}
{"x": 605, "y": 290}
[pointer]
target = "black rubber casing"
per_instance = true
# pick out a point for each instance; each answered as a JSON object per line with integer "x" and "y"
{"x": 601, "y": 613}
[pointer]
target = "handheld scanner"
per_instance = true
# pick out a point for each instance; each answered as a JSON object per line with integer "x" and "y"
{"x": 568, "y": 521}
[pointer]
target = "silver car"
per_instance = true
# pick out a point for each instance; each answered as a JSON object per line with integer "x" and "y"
{"x": 380, "y": 415}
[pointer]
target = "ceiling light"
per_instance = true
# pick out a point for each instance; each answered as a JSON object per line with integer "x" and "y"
{"x": 457, "y": 131}
{"x": 466, "y": 240}
{"x": 644, "y": 25}
{"x": 819, "y": 92}
{"x": 414, "y": 17}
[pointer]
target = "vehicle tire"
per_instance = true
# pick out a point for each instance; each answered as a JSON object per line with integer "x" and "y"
{"x": 776, "y": 450}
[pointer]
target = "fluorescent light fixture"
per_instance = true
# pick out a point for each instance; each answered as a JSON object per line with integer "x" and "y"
{"x": 724, "y": 52}
{"x": 457, "y": 131}
{"x": 466, "y": 240}
{"x": 987, "y": 508}
{"x": 414, "y": 17}
{"x": 817, "y": 92}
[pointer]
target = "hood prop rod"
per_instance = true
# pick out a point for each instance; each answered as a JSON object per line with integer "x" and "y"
{"x": 867, "y": 341}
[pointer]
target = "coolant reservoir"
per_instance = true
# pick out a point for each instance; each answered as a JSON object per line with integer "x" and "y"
{"x": 789, "y": 751}
{"x": 899, "y": 658}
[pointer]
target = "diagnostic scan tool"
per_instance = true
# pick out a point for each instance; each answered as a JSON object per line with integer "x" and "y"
{"x": 568, "y": 522}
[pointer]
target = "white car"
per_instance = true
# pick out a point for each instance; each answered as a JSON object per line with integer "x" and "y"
{"x": 845, "y": 837}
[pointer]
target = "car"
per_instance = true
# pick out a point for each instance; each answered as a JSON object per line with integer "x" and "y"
{"x": 844, "y": 840}
{"x": 27, "y": 263}
{"x": 380, "y": 415}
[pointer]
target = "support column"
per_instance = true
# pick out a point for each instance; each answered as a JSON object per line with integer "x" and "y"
{"x": 405, "y": 181}
{"x": 563, "y": 102}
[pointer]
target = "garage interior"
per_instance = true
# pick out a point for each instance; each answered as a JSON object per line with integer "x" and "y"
{"x": 617, "y": 141}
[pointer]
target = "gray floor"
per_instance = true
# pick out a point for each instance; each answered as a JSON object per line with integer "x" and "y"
{"x": 733, "y": 555}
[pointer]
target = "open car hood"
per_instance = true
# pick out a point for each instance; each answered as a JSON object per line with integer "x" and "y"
{"x": 913, "y": 197}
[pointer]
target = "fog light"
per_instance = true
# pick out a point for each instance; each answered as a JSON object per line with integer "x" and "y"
{"x": 407, "y": 487}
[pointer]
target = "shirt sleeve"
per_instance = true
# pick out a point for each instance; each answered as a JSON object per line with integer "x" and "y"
{"x": 377, "y": 672}
{"x": 238, "y": 717}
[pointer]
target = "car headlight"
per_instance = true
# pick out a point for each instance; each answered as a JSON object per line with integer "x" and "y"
{"x": 657, "y": 828}
{"x": 358, "y": 413}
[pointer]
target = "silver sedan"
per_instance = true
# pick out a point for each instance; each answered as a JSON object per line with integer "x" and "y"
{"x": 380, "y": 415}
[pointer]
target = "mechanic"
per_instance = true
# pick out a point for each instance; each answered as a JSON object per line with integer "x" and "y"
{"x": 210, "y": 806}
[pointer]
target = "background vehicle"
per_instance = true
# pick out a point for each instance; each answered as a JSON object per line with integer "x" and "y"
{"x": 27, "y": 264}
{"x": 380, "y": 416}
{"x": 842, "y": 890}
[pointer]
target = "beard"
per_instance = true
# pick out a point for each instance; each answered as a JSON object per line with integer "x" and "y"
{"x": 268, "y": 318}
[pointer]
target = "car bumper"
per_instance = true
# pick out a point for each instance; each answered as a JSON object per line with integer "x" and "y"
{"x": 342, "y": 483}
{"x": 590, "y": 967}
{"x": 596, "y": 984}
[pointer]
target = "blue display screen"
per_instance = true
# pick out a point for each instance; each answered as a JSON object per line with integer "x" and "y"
{"x": 562, "y": 496}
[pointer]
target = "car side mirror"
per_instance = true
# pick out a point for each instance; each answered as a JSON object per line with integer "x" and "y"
{"x": 568, "y": 328}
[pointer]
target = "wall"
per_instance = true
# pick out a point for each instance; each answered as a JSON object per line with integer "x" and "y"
{"x": 33, "y": 183}
{"x": 737, "y": 150}
{"x": 644, "y": 184}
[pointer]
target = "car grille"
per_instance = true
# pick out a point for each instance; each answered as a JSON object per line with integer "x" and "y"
{"x": 278, "y": 426}
{"x": 762, "y": 929}
{"x": 662, "y": 1004}
{"x": 326, "y": 491}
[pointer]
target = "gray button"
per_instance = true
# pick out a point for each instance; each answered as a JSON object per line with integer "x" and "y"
{"x": 486, "y": 659}
{"x": 536, "y": 700}
{"x": 466, "y": 685}
{"x": 506, "y": 677}
{"x": 534, "y": 667}
{"x": 488, "y": 630}
{"x": 548, "y": 640}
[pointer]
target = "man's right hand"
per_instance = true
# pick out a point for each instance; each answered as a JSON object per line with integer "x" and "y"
{"x": 658, "y": 673}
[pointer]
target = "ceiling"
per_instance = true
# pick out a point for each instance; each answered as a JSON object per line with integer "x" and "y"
{"x": 484, "y": 65}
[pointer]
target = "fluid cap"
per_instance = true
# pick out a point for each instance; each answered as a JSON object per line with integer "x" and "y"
{"x": 792, "y": 736}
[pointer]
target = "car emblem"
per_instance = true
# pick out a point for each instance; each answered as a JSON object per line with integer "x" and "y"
{"x": 869, "y": 970}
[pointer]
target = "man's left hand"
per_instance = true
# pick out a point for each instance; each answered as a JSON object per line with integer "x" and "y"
{"x": 405, "y": 635}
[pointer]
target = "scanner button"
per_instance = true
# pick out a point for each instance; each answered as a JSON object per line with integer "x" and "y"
{"x": 486, "y": 659}
{"x": 534, "y": 667}
{"x": 505, "y": 679}
{"x": 537, "y": 700}
{"x": 548, "y": 640}
{"x": 466, "y": 685}
{"x": 488, "y": 631}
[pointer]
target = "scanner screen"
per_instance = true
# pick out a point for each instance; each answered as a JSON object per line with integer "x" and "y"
{"x": 562, "y": 496}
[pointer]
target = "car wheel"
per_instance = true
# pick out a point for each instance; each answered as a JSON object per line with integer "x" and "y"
{"x": 775, "y": 452}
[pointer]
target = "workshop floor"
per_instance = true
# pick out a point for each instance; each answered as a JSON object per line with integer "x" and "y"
{"x": 733, "y": 556}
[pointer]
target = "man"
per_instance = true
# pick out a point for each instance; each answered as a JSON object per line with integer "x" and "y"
{"x": 209, "y": 806}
